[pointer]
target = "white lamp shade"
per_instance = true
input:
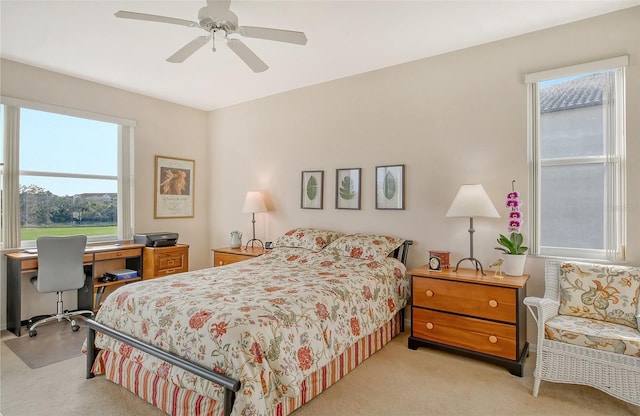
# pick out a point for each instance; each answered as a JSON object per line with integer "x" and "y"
{"x": 472, "y": 201}
{"x": 254, "y": 202}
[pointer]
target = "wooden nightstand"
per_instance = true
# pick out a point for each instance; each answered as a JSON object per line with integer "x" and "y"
{"x": 470, "y": 314}
{"x": 163, "y": 261}
{"x": 224, "y": 256}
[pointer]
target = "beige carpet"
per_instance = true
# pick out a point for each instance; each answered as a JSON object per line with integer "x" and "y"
{"x": 54, "y": 342}
{"x": 394, "y": 381}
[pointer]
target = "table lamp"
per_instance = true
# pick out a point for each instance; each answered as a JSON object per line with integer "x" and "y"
{"x": 472, "y": 201}
{"x": 253, "y": 203}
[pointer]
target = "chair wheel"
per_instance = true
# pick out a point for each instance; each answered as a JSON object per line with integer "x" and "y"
{"x": 75, "y": 328}
{"x": 32, "y": 333}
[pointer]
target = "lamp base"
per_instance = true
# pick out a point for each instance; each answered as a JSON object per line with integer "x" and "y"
{"x": 475, "y": 262}
{"x": 254, "y": 241}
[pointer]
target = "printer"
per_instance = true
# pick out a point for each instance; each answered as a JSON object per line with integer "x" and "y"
{"x": 156, "y": 239}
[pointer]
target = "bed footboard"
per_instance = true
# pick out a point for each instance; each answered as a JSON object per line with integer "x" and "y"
{"x": 231, "y": 386}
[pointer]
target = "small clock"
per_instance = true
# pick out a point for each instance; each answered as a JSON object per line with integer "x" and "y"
{"x": 442, "y": 255}
{"x": 434, "y": 263}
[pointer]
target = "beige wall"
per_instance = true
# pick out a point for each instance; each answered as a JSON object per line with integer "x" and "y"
{"x": 162, "y": 129}
{"x": 451, "y": 119}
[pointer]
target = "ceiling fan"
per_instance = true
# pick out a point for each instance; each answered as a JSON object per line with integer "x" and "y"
{"x": 216, "y": 17}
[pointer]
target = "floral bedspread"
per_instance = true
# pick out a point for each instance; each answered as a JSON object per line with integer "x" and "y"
{"x": 269, "y": 321}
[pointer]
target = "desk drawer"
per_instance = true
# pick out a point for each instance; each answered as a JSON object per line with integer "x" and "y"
{"x": 163, "y": 261}
{"x": 170, "y": 264}
{"x": 464, "y": 332}
{"x": 120, "y": 254}
{"x": 482, "y": 301}
{"x": 32, "y": 264}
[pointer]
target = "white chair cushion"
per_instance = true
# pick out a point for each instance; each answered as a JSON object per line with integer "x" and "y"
{"x": 593, "y": 333}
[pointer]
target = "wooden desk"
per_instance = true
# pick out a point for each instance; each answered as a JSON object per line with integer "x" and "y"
{"x": 97, "y": 260}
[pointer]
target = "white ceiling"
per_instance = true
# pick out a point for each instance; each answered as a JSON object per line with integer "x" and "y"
{"x": 85, "y": 40}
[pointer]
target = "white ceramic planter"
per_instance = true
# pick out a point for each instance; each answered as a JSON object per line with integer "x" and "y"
{"x": 513, "y": 264}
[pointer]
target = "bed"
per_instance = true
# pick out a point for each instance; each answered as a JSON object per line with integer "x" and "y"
{"x": 276, "y": 330}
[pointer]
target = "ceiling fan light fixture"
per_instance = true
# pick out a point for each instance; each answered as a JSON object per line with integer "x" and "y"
{"x": 219, "y": 21}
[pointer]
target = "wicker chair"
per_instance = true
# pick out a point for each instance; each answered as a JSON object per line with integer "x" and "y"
{"x": 612, "y": 372}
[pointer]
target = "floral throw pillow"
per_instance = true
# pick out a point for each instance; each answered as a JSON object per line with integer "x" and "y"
{"x": 365, "y": 246}
{"x": 605, "y": 293}
{"x": 313, "y": 239}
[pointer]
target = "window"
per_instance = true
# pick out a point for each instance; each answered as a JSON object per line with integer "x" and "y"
{"x": 64, "y": 172}
{"x": 577, "y": 160}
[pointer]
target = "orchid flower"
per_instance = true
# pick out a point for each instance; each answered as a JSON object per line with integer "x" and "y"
{"x": 513, "y": 243}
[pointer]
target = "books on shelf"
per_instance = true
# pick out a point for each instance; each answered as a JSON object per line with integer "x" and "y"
{"x": 99, "y": 292}
{"x": 122, "y": 274}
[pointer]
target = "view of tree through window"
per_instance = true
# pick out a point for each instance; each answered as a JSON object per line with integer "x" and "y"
{"x": 62, "y": 191}
{"x": 68, "y": 176}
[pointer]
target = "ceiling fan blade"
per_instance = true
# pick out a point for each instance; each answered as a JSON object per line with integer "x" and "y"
{"x": 289, "y": 36}
{"x": 153, "y": 18}
{"x": 218, "y": 8}
{"x": 188, "y": 49}
{"x": 251, "y": 59}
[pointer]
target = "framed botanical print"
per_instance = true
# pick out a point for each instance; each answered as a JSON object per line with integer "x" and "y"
{"x": 311, "y": 192}
{"x": 390, "y": 187}
{"x": 348, "y": 188}
{"x": 174, "y": 185}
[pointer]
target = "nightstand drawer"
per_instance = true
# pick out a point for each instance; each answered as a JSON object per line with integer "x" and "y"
{"x": 223, "y": 259}
{"x": 490, "y": 302}
{"x": 227, "y": 255}
{"x": 464, "y": 332}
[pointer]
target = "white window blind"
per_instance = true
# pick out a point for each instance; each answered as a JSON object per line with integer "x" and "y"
{"x": 577, "y": 160}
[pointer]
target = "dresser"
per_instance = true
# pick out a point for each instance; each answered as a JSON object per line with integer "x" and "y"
{"x": 467, "y": 313}
{"x": 224, "y": 256}
{"x": 164, "y": 261}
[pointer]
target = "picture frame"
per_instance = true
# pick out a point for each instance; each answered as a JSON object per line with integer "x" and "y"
{"x": 390, "y": 187}
{"x": 174, "y": 187}
{"x": 312, "y": 189}
{"x": 348, "y": 188}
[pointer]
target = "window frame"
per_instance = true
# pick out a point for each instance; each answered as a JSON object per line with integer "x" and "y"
{"x": 614, "y": 160}
{"x": 10, "y": 171}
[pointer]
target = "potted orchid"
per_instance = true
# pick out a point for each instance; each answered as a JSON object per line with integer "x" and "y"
{"x": 514, "y": 253}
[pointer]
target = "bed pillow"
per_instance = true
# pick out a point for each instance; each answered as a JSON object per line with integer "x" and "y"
{"x": 601, "y": 292}
{"x": 365, "y": 246}
{"x": 313, "y": 239}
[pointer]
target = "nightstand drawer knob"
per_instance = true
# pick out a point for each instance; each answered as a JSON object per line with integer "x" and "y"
{"x": 429, "y": 293}
{"x": 429, "y": 325}
{"x": 493, "y": 303}
{"x": 493, "y": 339}
{"x": 220, "y": 263}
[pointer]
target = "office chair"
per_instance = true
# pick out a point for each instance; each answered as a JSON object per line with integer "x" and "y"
{"x": 60, "y": 268}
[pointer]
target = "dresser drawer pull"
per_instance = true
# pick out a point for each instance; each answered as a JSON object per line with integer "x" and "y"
{"x": 493, "y": 339}
{"x": 493, "y": 303}
{"x": 429, "y": 325}
{"x": 220, "y": 263}
{"x": 429, "y": 293}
